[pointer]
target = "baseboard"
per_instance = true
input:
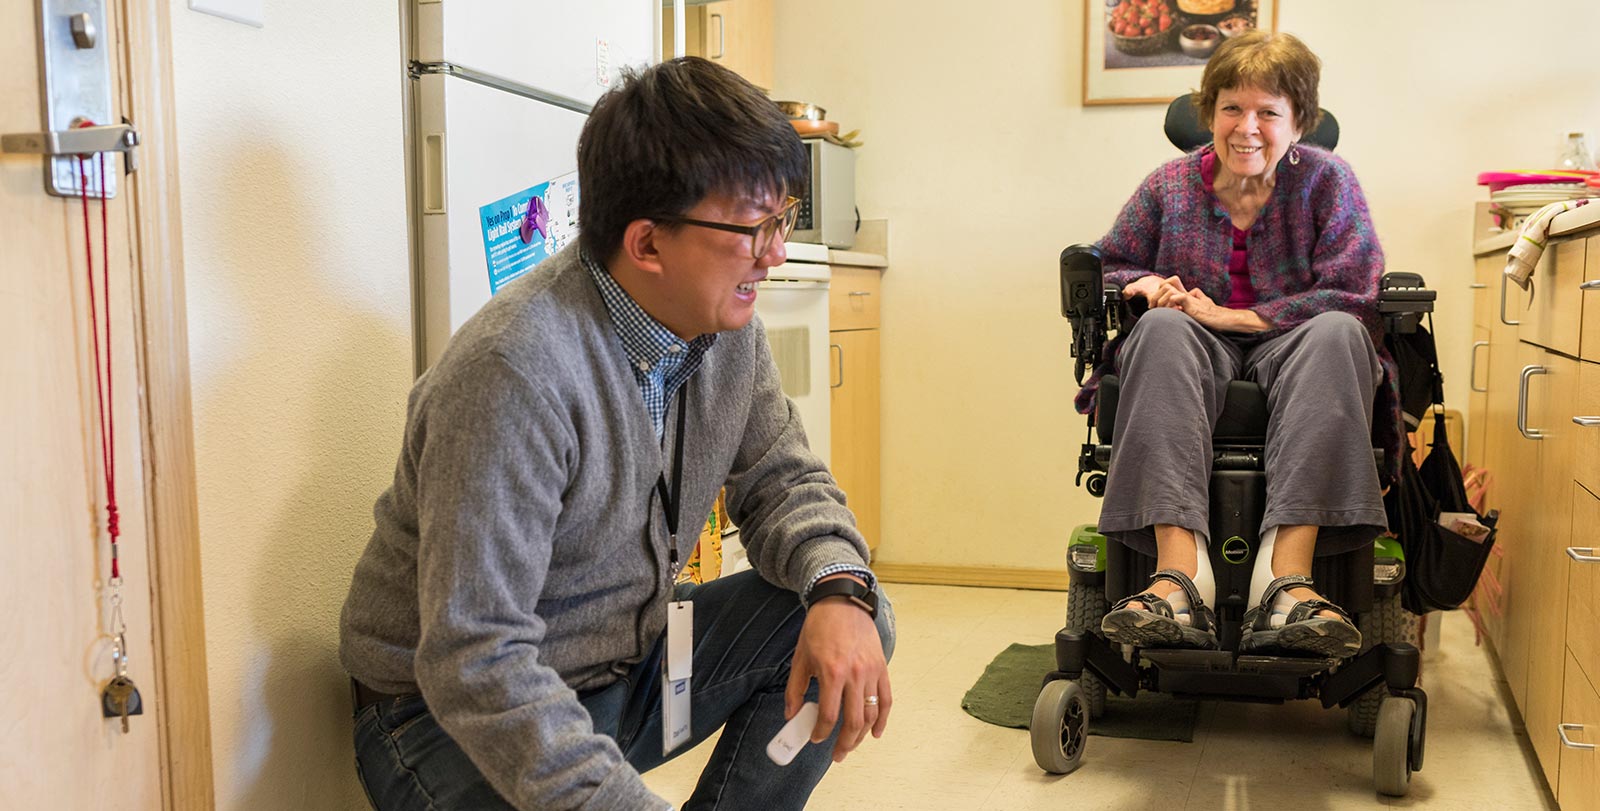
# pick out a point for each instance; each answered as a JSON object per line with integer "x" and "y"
{"x": 1008, "y": 577}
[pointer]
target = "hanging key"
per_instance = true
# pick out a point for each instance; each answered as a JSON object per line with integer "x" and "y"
{"x": 121, "y": 699}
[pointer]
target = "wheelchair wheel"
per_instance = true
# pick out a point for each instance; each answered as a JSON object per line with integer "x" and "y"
{"x": 1391, "y": 746}
{"x": 1060, "y": 727}
{"x": 1097, "y": 485}
{"x": 1388, "y": 622}
{"x": 1086, "y": 606}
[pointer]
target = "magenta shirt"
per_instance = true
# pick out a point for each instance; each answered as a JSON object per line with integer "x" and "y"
{"x": 1242, "y": 294}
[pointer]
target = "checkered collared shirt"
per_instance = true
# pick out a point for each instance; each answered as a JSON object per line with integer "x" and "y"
{"x": 661, "y": 362}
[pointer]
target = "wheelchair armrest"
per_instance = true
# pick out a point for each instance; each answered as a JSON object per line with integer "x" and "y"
{"x": 1403, "y": 298}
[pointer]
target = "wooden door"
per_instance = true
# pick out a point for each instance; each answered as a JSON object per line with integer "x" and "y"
{"x": 1485, "y": 274}
{"x": 1519, "y": 499}
{"x": 1579, "y": 789}
{"x": 1499, "y": 374}
{"x": 60, "y": 752}
{"x": 854, "y": 410}
{"x": 738, "y": 35}
{"x": 1552, "y": 404}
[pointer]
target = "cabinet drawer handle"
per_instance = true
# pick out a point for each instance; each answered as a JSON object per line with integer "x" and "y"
{"x": 1472, "y": 377}
{"x": 1522, "y": 402}
{"x": 1583, "y": 554}
{"x": 1593, "y": 284}
{"x": 1561, "y": 729}
{"x": 1587, "y": 422}
{"x": 1478, "y": 286}
{"x": 860, "y": 292}
{"x": 1503, "y": 318}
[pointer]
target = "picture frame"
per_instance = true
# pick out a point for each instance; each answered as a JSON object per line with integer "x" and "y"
{"x": 1157, "y": 67}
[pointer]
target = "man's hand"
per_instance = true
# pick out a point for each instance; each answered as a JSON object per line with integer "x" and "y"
{"x": 840, "y": 647}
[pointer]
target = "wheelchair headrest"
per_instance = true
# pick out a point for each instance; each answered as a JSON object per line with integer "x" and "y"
{"x": 1186, "y": 131}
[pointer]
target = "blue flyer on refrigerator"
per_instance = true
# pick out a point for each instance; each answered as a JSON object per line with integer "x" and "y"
{"x": 528, "y": 227}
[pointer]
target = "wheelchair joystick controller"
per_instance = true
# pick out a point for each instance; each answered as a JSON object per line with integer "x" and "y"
{"x": 1083, "y": 303}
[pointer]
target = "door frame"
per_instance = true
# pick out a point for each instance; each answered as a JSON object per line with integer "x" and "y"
{"x": 166, "y": 425}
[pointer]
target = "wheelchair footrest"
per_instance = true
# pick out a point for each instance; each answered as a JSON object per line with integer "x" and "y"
{"x": 1224, "y": 675}
{"x": 1207, "y": 661}
{"x": 1216, "y": 661}
{"x": 1286, "y": 665}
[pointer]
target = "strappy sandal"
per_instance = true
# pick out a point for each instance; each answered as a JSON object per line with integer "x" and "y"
{"x": 1156, "y": 625}
{"x": 1302, "y": 629}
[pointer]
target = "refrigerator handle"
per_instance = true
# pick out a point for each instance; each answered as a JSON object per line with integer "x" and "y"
{"x": 433, "y": 199}
{"x": 679, "y": 43}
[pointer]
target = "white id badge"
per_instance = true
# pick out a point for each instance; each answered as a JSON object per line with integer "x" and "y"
{"x": 674, "y": 713}
{"x": 680, "y": 640}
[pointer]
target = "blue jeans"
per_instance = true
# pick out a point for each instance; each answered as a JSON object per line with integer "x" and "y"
{"x": 745, "y": 631}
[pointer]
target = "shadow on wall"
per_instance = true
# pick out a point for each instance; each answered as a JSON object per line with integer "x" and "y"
{"x": 303, "y": 420}
{"x": 295, "y": 706}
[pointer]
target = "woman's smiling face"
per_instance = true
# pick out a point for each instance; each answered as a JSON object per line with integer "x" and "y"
{"x": 1252, "y": 130}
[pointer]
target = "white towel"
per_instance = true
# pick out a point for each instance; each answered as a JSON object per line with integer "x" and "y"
{"x": 1531, "y": 240}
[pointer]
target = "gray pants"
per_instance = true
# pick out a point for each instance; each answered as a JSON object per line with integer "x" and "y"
{"x": 1320, "y": 379}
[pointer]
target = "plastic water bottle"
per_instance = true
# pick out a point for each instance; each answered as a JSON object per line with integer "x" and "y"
{"x": 1575, "y": 153}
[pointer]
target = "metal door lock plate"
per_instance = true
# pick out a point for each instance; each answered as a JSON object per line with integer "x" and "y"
{"x": 76, "y": 83}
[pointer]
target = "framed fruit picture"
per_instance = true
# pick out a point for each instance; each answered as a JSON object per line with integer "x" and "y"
{"x": 1152, "y": 51}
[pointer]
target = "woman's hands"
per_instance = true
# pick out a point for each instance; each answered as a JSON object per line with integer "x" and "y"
{"x": 1170, "y": 292}
{"x": 1155, "y": 289}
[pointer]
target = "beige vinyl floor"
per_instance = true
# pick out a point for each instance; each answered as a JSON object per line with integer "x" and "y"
{"x": 1244, "y": 756}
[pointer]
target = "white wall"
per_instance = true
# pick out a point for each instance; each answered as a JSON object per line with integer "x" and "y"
{"x": 981, "y": 155}
{"x": 298, "y": 303}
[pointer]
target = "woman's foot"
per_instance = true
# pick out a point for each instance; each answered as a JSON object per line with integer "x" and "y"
{"x": 1292, "y": 617}
{"x": 1168, "y": 614}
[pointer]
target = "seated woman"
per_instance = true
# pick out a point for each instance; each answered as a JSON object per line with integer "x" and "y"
{"x": 1258, "y": 259}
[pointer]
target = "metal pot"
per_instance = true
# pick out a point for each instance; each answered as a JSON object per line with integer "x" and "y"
{"x": 800, "y": 110}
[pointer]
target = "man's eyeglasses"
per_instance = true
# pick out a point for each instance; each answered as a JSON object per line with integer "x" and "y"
{"x": 777, "y": 226}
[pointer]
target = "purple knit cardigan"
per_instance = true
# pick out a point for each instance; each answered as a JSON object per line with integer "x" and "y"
{"x": 1311, "y": 250}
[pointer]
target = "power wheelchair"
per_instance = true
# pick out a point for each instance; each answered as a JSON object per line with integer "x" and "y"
{"x": 1378, "y": 687}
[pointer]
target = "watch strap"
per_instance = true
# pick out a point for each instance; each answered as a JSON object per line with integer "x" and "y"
{"x": 864, "y": 598}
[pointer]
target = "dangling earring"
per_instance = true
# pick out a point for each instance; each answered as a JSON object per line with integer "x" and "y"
{"x": 1294, "y": 154}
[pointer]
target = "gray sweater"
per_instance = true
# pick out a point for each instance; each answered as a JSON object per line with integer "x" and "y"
{"x": 521, "y": 553}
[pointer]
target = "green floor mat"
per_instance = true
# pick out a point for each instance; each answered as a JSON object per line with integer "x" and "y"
{"x": 1004, "y": 696}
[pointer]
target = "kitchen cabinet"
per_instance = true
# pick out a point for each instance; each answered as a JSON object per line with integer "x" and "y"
{"x": 736, "y": 34}
{"x": 855, "y": 396}
{"x": 1579, "y": 789}
{"x": 1534, "y": 427}
{"x": 1579, "y": 786}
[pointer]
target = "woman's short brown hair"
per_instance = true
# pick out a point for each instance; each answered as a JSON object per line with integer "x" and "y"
{"x": 1279, "y": 64}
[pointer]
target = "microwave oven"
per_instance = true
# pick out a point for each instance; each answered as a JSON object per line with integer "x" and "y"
{"x": 828, "y": 208}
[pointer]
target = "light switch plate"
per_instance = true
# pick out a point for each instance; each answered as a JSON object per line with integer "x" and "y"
{"x": 249, "y": 12}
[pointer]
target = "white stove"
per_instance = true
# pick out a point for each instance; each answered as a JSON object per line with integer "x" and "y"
{"x": 793, "y": 305}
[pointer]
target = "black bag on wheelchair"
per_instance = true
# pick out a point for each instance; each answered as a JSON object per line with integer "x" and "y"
{"x": 1442, "y": 566}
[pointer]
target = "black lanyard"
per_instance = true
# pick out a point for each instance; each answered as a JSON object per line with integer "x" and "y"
{"x": 670, "y": 505}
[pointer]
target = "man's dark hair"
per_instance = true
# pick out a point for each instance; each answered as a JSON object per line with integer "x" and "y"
{"x": 666, "y": 137}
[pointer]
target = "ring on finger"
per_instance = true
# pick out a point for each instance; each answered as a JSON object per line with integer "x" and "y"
{"x": 872, "y": 701}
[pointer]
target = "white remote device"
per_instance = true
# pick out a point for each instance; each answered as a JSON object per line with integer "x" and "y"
{"x": 794, "y": 735}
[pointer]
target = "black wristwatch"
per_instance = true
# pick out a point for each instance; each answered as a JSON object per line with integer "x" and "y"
{"x": 864, "y": 598}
